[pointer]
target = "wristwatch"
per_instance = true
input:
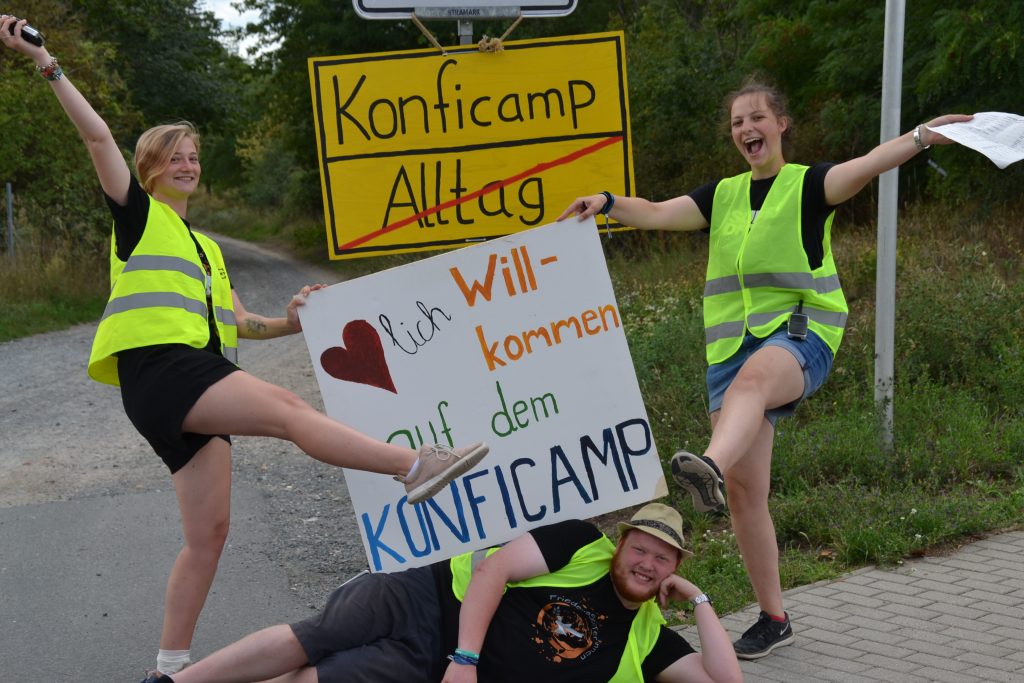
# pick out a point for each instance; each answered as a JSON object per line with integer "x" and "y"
{"x": 701, "y": 599}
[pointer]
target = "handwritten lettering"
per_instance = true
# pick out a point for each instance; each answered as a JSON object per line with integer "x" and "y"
{"x": 423, "y": 333}
{"x": 417, "y": 440}
{"x": 422, "y": 188}
{"x": 525, "y": 280}
{"x": 449, "y": 108}
{"x": 505, "y": 424}
{"x": 514, "y": 346}
{"x": 601, "y": 462}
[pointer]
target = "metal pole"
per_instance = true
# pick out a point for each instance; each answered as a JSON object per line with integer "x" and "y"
{"x": 10, "y": 221}
{"x": 888, "y": 193}
{"x": 465, "y": 32}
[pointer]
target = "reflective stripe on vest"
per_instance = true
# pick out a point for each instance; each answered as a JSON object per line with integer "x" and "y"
{"x": 588, "y": 564}
{"x": 757, "y": 268}
{"x": 172, "y": 263}
{"x": 731, "y": 283}
{"x": 159, "y": 295}
{"x": 734, "y": 329}
{"x": 152, "y": 300}
{"x": 225, "y": 316}
{"x": 478, "y": 556}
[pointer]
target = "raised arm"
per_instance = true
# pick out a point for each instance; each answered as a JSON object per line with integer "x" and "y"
{"x": 521, "y": 559}
{"x": 110, "y": 166}
{"x": 847, "y": 179}
{"x": 716, "y": 662}
{"x": 679, "y": 213}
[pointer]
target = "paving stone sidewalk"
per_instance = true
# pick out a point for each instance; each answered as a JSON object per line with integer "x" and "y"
{"x": 958, "y": 618}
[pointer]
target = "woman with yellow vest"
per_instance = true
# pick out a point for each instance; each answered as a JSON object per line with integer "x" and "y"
{"x": 168, "y": 338}
{"x": 774, "y": 314}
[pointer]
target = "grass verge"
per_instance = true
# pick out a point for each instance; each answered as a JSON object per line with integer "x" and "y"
{"x": 839, "y": 500}
{"x": 43, "y": 295}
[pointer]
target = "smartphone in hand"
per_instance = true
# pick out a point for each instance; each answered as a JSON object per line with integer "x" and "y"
{"x": 30, "y": 34}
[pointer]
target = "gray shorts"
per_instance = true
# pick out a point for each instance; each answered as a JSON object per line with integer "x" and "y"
{"x": 377, "y": 628}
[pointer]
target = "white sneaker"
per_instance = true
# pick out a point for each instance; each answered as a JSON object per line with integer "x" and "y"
{"x": 438, "y": 465}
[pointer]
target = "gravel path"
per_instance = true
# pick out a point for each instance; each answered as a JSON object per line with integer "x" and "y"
{"x": 66, "y": 438}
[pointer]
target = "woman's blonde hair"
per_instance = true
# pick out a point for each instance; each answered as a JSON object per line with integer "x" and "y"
{"x": 155, "y": 147}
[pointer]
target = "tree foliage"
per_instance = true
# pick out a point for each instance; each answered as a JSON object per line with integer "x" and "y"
{"x": 143, "y": 62}
{"x": 173, "y": 59}
{"x": 55, "y": 187}
{"x": 138, "y": 62}
{"x": 686, "y": 55}
{"x": 826, "y": 55}
{"x": 170, "y": 56}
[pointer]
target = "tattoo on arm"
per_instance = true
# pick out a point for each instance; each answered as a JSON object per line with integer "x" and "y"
{"x": 256, "y": 327}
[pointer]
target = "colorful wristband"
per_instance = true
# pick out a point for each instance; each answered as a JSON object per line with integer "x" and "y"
{"x": 51, "y": 71}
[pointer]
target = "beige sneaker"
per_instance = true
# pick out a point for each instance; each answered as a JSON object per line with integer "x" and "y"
{"x": 439, "y": 465}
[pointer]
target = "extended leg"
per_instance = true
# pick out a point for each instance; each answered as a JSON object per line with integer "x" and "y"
{"x": 243, "y": 405}
{"x": 259, "y": 656}
{"x": 203, "y": 488}
{"x": 770, "y": 378}
{"x": 748, "y": 483}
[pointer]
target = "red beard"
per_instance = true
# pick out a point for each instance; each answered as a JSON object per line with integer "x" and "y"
{"x": 627, "y": 590}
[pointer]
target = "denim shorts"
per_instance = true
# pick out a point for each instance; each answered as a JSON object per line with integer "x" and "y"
{"x": 813, "y": 354}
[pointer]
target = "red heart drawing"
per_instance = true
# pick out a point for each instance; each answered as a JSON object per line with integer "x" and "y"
{"x": 361, "y": 359}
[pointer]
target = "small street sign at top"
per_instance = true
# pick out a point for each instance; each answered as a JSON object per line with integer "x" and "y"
{"x": 452, "y": 9}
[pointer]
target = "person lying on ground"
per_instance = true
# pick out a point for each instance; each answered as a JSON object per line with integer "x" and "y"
{"x": 559, "y": 603}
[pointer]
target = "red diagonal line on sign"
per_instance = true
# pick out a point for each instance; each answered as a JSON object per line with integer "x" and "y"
{"x": 539, "y": 168}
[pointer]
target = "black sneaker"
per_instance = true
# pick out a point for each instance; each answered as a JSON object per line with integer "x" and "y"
{"x": 700, "y": 476}
{"x": 764, "y": 636}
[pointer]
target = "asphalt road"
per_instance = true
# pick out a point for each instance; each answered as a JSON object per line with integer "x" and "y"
{"x": 89, "y": 524}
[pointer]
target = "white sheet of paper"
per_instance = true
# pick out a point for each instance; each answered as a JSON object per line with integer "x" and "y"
{"x": 997, "y": 135}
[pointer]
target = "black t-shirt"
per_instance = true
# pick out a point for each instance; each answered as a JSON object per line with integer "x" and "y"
{"x": 557, "y": 634}
{"x": 130, "y": 219}
{"x": 814, "y": 211}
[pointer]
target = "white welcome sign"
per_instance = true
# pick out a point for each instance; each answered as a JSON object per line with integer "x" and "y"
{"x": 517, "y": 342}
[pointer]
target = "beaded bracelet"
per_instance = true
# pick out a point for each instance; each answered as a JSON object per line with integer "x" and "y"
{"x": 52, "y": 71}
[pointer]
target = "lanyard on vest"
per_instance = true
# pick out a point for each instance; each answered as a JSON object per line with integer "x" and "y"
{"x": 211, "y": 321}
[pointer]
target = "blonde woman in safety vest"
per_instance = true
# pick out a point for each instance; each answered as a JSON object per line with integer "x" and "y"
{"x": 168, "y": 338}
{"x": 774, "y": 314}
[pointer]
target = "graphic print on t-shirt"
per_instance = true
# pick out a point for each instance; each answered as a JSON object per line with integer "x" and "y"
{"x": 567, "y": 630}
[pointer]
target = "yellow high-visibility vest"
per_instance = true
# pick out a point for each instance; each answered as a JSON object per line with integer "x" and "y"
{"x": 758, "y": 271}
{"x": 158, "y": 296}
{"x": 588, "y": 564}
